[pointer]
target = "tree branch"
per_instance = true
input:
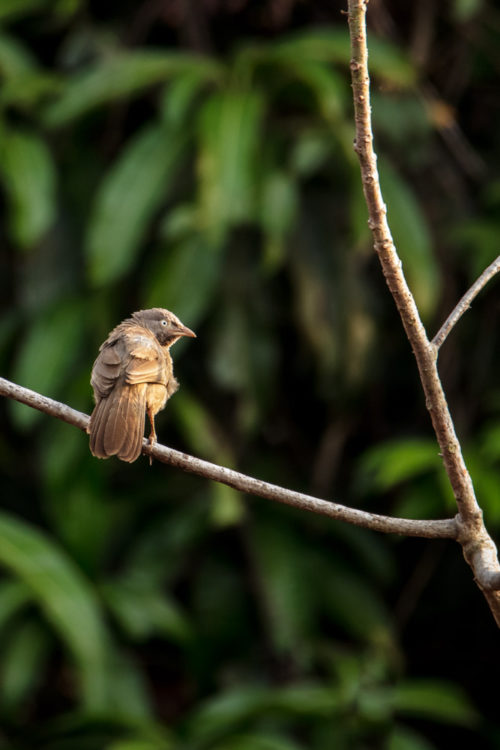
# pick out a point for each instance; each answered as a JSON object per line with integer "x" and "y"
{"x": 434, "y": 529}
{"x": 465, "y": 302}
{"x": 478, "y": 547}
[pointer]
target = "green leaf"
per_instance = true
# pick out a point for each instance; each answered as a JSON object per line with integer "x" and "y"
{"x": 369, "y": 550}
{"x": 221, "y": 714}
{"x": 333, "y": 45}
{"x": 401, "y": 119}
{"x": 227, "y": 507}
{"x": 490, "y": 442}
{"x": 144, "y": 612}
{"x": 79, "y": 511}
{"x": 257, "y": 742}
{"x": 410, "y": 233}
{"x": 391, "y": 63}
{"x": 64, "y": 596}
{"x": 181, "y": 93}
{"x": 15, "y": 59}
{"x": 49, "y": 348}
{"x": 243, "y": 356}
{"x": 229, "y": 711}
{"x": 403, "y": 738}
{"x": 185, "y": 278}
{"x": 127, "y": 199}
{"x": 310, "y": 152}
{"x": 28, "y": 175}
{"x": 22, "y": 664}
{"x": 397, "y": 461}
{"x": 279, "y": 209}
{"x": 60, "y": 454}
{"x": 433, "y": 699}
{"x": 306, "y": 699}
{"x": 429, "y": 495}
{"x": 139, "y": 744}
{"x": 14, "y": 596}
{"x": 201, "y": 430}
{"x": 64, "y": 9}
{"x": 480, "y": 240}
{"x": 126, "y": 74}
{"x": 230, "y": 135}
{"x": 316, "y": 294}
{"x": 129, "y": 700}
{"x": 375, "y": 704}
{"x": 26, "y": 90}
{"x": 412, "y": 239}
{"x": 12, "y": 9}
{"x": 158, "y": 554}
{"x": 230, "y": 361}
{"x": 329, "y": 88}
{"x": 179, "y": 223}
{"x": 355, "y": 605}
{"x": 464, "y": 10}
{"x": 486, "y": 481}
{"x": 207, "y": 439}
{"x": 285, "y": 586}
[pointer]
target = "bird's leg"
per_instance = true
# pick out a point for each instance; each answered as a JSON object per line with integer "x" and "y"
{"x": 152, "y": 434}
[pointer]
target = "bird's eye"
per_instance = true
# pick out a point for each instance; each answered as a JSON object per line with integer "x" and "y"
{"x": 164, "y": 322}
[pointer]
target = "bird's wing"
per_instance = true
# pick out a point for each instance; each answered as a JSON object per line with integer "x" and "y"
{"x": 106, "y": 371}
{"x": 146, "y": 363}
{"x": 130, "y": 357}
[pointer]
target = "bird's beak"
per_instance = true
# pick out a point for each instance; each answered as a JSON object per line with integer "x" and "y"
{"x": 181, "y": 330}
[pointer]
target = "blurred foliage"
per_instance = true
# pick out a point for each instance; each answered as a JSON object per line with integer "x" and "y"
{"x": 198, "y": 156}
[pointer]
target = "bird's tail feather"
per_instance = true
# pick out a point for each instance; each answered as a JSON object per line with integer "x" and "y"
{"x": 117, "y": 423}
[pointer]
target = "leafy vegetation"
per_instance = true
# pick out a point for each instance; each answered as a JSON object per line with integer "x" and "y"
{"x": 201, "y": 160}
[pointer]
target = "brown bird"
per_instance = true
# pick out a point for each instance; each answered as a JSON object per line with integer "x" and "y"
{"x": 133, "y": 374}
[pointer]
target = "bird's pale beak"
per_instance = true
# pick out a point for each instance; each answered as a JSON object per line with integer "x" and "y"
{"x": 181, "y": 330}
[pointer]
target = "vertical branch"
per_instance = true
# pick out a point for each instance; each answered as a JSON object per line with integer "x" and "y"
{"x": 424, "y": 351}
{"x": 479, "y": 549}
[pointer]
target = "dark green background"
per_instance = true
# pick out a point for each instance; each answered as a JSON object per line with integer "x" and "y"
{"x": 198, "y": 156}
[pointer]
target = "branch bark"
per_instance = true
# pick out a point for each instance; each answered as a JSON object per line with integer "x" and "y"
{"x": 466, "y": 302}
{"x": 478, "y": 547}
{"x": 433, "y": 529}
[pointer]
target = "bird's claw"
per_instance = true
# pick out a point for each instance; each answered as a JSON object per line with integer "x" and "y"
{"x": 152, "y": 441}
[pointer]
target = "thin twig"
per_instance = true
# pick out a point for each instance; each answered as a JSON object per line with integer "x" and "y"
{"x": 466, "y": 302}
{"x": 478, "y": 547}
{"x": 434, "y": 529}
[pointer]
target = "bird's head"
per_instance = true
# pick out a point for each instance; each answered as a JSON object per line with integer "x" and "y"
{"x": 163, "y": 324}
